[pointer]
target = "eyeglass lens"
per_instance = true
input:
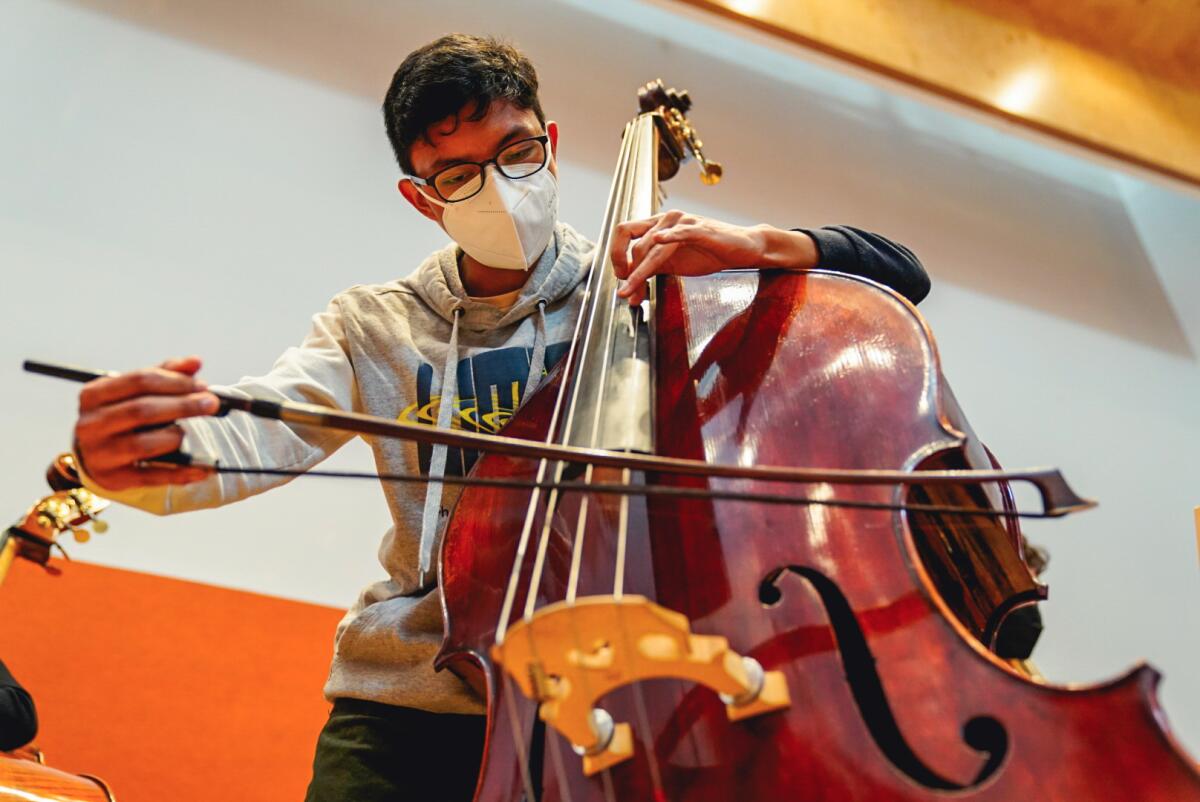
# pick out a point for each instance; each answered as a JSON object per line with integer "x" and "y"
{"x": 518, "y": 160}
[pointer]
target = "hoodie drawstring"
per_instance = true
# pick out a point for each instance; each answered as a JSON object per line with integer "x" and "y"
{"x": 537, "y": 360}
{"x": 437, "y": 459}
{"x": 430, "y": 518}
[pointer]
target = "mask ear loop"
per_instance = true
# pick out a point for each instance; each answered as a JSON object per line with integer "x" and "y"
{"x": 432, "y": 197}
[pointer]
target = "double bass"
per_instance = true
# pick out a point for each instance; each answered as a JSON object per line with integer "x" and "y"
{"x": 729, "y": 636}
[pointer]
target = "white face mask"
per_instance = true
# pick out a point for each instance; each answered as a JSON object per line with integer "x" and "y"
{"x": 509, "y": 223}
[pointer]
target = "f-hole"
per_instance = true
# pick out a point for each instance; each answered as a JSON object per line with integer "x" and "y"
{"x": 984, "y": 734}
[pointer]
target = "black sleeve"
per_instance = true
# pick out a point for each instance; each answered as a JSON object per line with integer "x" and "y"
{"x": 852, "y": 250}
{"x": 18, "y": 718}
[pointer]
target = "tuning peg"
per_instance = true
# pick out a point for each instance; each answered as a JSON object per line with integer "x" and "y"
{"x": 100, "y": 526}
{"x": 81, "y": 535}
{"x": 711, "y": 172}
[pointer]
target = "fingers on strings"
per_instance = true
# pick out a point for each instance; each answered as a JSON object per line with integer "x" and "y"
{"x": 641, "y": 248}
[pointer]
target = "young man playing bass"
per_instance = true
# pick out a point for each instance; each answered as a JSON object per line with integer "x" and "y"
{"x": 474, "y": 327}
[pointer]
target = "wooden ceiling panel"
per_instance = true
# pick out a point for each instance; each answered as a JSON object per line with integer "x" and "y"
{"x": 1161, "y": 37}
{"x": 1120, "y": 77}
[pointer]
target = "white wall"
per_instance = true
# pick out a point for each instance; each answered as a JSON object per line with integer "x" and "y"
{"x": 201, "y": 177}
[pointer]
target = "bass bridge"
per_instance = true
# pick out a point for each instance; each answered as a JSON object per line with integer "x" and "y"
{"x": 568, "y": 655}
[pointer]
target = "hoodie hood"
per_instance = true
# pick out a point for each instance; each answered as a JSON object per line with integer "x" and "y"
{"x": 557, "y": 272}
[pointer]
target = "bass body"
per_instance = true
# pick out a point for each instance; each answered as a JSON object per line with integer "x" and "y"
{"x": 24, "y": 778}
{"x": 893, "y": 691}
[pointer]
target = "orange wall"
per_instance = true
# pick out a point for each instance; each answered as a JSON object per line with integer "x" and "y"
{"x": 169, "y": 689}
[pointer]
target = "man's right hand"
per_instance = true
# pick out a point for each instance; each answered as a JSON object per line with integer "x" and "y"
{"x": 116, "y": 414}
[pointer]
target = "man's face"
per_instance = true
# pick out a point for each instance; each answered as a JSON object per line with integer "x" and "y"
{"x": 456, "y": 140}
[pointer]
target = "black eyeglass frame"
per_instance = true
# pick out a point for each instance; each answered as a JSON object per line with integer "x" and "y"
{"x": 544, "y": 139}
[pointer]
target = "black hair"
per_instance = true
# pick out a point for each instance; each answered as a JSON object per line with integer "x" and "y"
{"x": 442, "y": 78}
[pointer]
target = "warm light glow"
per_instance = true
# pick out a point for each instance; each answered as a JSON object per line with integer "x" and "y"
{"x": 740, "y": 293}
{"x": 818, "y": 519}
{"x": 749, "y": 7}
{"x": 857, "y": 356}
{"x": 1020, "y": 93}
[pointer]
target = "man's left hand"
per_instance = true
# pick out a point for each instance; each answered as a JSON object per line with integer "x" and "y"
{"x": 687, "y": 245}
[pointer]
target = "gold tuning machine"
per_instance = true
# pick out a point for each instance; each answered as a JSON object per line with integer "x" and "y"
{"x": 679, "y": 138}
{"x": 710, "y": 172}
{"x": 685, "y": 133}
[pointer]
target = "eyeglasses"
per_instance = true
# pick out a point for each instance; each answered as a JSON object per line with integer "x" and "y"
{"x": 458, "y": 182}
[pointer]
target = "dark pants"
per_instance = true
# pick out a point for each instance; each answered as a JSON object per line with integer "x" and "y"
{"x": 371, "y": 752}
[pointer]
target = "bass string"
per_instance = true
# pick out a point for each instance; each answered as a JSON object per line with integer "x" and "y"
{"x": 618, "y": 590}
{"x": 572, "y": 354}
{"x": 628, "y": 644}
{"x": 625, "y": 203}
{"x": 639, "y": 700}
{"x": 555, "y": 747}
{"x": 622, "y": 541}
{"x": 643, "y": 723}
{"x": 623, "y": 508}
{"x": 513, "y": 715}
{"x": 514, "y": 720}
{"x": 617, "y": 212}
{"x": 551, "y": 739}
{"x": 581, "y": 522}
{"x": 552, "y": 499}
{"x": 511, "y": 590}
{"x": 539, "y": 560}
{"x": 645, "y": 144}
{"x": 577, "y": 542}
{"x": 599, "y": 263}
{"x": 626, "y": 180}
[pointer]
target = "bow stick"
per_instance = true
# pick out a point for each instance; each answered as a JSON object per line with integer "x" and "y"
{"x": 1056, "y": 495}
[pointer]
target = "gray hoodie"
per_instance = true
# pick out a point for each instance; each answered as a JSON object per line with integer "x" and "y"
{"x": 395, "y": 350}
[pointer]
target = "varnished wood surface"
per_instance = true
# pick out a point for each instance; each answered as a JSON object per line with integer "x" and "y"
{"x": 1159, "y": 37}
{"x": 893, "y": 699}
{"x": 25, "y": 780}
{"x": 1121, "y": 79}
